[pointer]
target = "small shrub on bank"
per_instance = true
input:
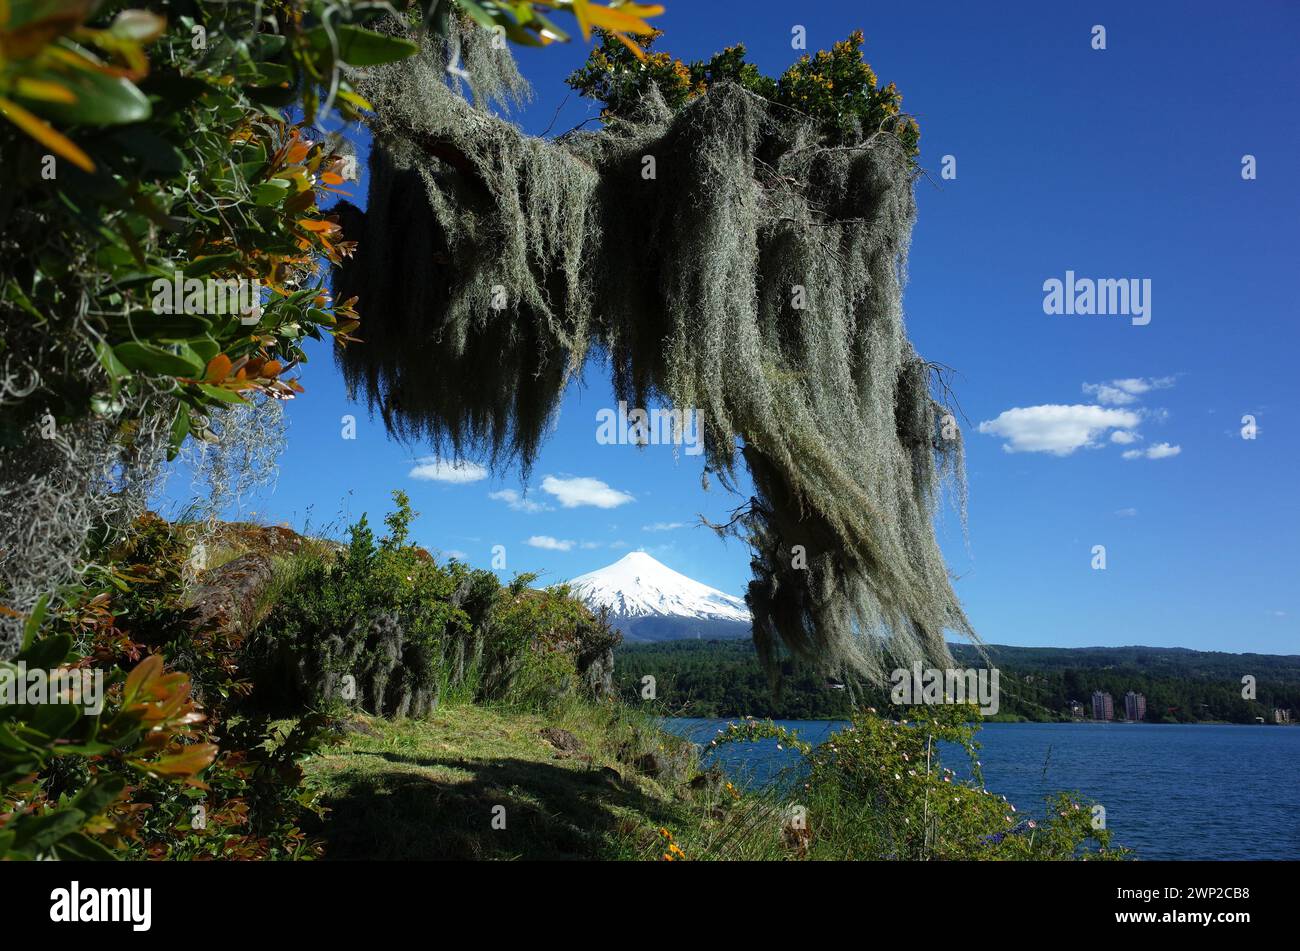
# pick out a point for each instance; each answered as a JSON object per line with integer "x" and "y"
{"x": 366, "y": 627}
{"x": 877, "y": 790}
{"x": 878, "y": 786}
{"x": 384, "y": 628}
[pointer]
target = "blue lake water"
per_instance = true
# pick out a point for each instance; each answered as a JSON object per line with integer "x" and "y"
{"x": 1170, "y": 792}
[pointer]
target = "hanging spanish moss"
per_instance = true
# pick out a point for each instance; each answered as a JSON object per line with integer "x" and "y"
{"x": 727, "y": 259}
{"x": 63, "y": 487}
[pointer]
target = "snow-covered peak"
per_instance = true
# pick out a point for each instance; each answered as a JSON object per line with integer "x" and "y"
{"x": 639, "y": 586}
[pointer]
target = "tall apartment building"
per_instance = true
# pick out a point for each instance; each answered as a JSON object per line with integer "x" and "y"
{"x": 1135, "y": 706}
{"x": 1103, "y": 706}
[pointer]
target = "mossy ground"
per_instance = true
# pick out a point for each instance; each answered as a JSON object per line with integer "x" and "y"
{"x": 427, "y": 789}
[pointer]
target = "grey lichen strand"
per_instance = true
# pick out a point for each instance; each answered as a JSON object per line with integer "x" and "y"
{"x": 688, "y": 280}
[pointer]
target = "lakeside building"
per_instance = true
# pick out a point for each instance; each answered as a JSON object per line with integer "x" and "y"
{"x": 1135, "y": 706}
{"x": 1076, "y": 710}
{"x": 1281, "y": 716}
{"x": 1103, "y": 706}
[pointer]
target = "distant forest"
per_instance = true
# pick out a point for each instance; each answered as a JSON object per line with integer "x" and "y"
{"x": 723, "y": 679}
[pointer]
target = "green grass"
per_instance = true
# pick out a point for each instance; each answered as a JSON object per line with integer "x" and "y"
{"x": 428, "y": 789}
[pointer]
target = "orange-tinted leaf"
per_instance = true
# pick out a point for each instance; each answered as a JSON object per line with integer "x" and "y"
{"x": 616, "y": 19}
{"x": 193, "y": 759}
{"x": 636, "y": 50}
{"x": 31, "y": 38}
{"x": 46, "y": 134}
{"x": 582, "y": 10}
{"x": 218, "y": 369}
{"x": 44, "y": 90}
{"x": 144, "y": 674}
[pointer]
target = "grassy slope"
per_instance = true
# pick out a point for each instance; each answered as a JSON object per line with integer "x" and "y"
{"x": 426, "y": 789}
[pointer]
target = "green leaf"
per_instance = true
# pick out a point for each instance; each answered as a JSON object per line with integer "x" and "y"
{"x": 171, "y": 328}
{"x": 34, "y": 622}
{"x": 269, "y": 45}
{"x": 271, "y": 74}
{"x": 358, "y": 47}
{"x": 14, "y": 293}
{"x": 40, "y": 833}
{"x": 180, "y": 429}
{"x": 48, "y": 652}
{"x": 55, "y": 720}
{"x": 101, "y": 99}
{"x": 205, "y": 348}
{"x": 213, "y": 262}
{"x": 550, "y": 27}
{"x": 79, "y": 847}
{"x": 115, "y": 367}
{"x": 477, "y": 13}
{"x": 221, "y": 393}
{"x": 96, "y": 797}
{"x": 148, "y": 358}
{"x": 271, "y": 192}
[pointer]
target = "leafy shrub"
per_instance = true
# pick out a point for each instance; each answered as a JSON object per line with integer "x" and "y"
{"x": 879, "y": 784}
{"x": 253, "y": 803}
{"x": 877, "y": 790}
{"x": 63, "y": 771}
{"x": 369, "y": 625}
{"x": 836, "y": 87}
{"x": 382, "y": 625}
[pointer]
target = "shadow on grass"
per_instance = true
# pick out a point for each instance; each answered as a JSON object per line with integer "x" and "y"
{"x": 550, "y": 812}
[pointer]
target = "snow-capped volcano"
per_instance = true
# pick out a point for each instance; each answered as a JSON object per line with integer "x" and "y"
{"x": 647, "y": 600}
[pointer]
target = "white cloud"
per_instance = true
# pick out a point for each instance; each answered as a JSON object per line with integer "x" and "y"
{"x": 577, "y": 491}
{"x": 1127, "y": 391}
{"x": 457, "y": 554}
{"x": 549, "y": 543}
{"x": 618, "y": 544}
{"x": 1124, "y": 437}
{"x": 1056, "y": 429}
{"x": 1126, "y": 513}
{"x": 516, "y": 501}
{"x": 663, "y": 527}
{"x": 590, "y": 545}
{"x": 433, "y": 469}
{"x": 1161, "y": 450}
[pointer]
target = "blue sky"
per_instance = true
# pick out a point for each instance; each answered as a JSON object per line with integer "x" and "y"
{"x": 1116, "y": 163}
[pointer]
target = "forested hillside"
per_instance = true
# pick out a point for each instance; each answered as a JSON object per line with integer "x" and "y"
{"x": 723, "y": 678}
